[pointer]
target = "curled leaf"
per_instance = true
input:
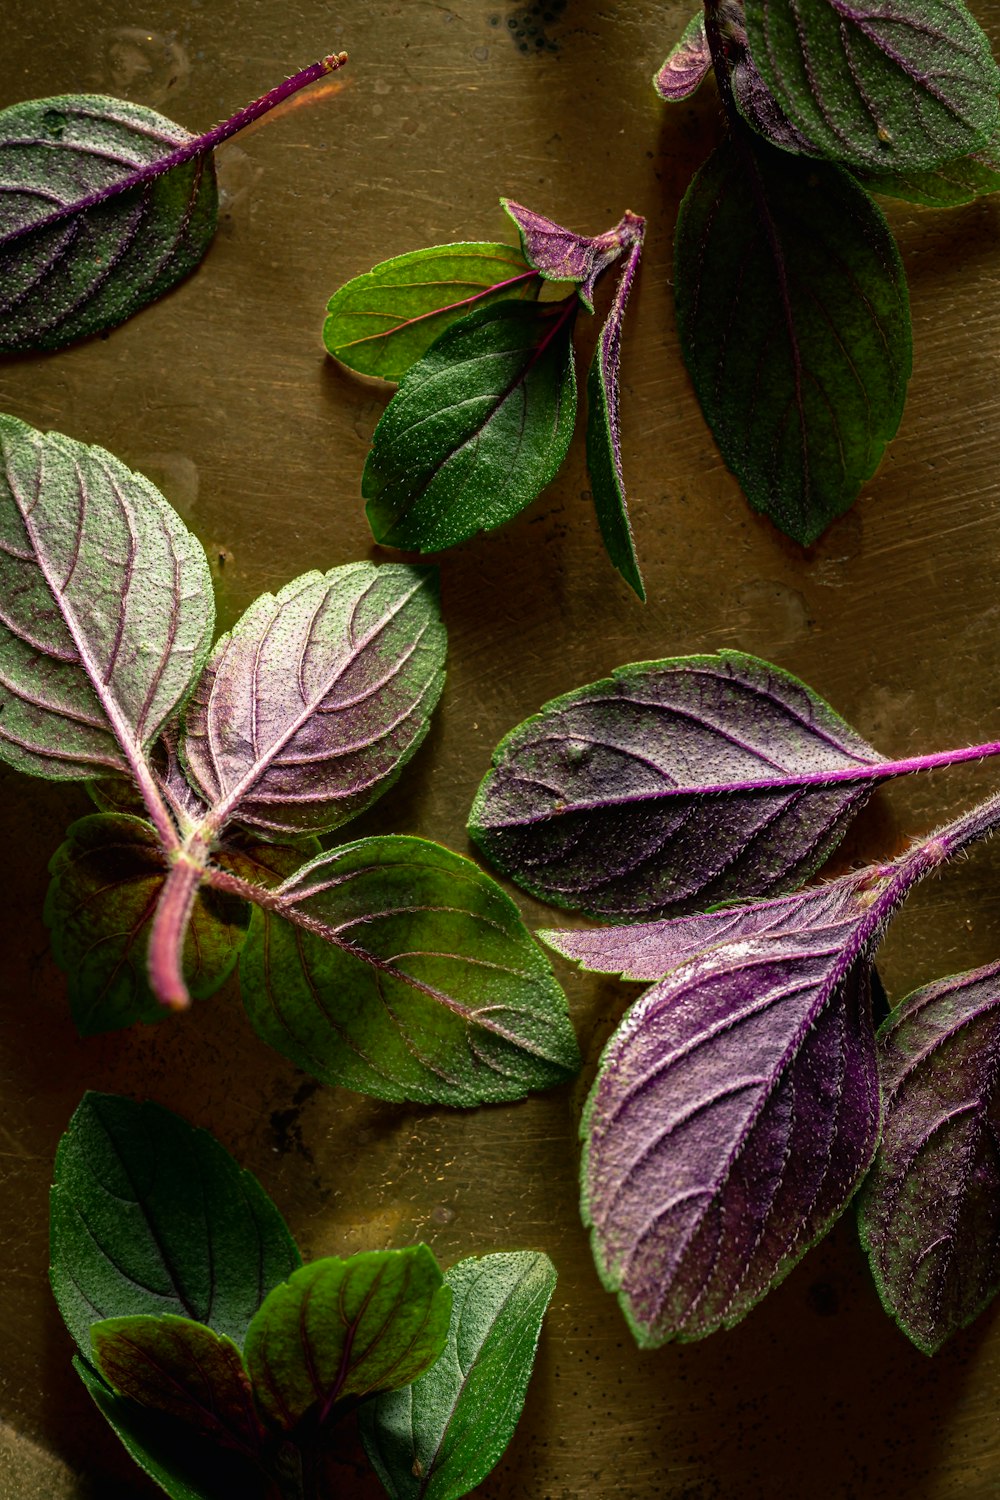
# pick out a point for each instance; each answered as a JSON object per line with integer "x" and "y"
{"x": 688, "y": 63}
{"x": 560, "y": 254}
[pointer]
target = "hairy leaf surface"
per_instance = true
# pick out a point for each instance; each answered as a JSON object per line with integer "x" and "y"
{"x": 900, "y": 87}
{"x": 397, "y": 968}
{"x": 561, "y": 254}
{"x": 794, "y": 324}
{"x": 671, "y": 783}
{"x": 930, "y": 1210}
{"x": 313, "y": 703}
{"x": 343, "y": 1329}
{"x": 688, "y": 63}
{"x": 106, "y": 609}
{"x": 477, "y": 429}
{"x": 382, "y": 322}
{"x": 736, "y": 1108}
{"x": 152, "y": 1216}
{"x": 959, "y": 181}
{"x": 440, "y": 1437}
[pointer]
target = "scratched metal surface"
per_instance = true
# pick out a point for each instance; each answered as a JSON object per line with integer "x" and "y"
{"x": 221, "y": 394}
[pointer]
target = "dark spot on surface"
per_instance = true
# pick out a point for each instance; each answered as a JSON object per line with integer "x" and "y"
{"x": 54, "y": 123}
{"x": 286, "y": 1124}
{"x": 823, "y": 1299}
{"x": 527, "y": 24}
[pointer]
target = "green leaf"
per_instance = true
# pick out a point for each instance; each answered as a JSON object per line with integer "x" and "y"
{"x": 184, "y": 1370}
{"x": 382, "y": 322}
{"x": 958, "y": 181}
{"x": 794, "y": 325}
{"x": 341, "y": 1330}
{"x": 106, "y": 880}
{"x": 152, "y": 1216}
{"x": 397, "y": 968}
{"x": 108, "y": 611}
{"x": 440, "y": 1437}
{"x": 477, "y": 429}
{"x": 183, "y": 1464}
{"x": 891, "y": 88}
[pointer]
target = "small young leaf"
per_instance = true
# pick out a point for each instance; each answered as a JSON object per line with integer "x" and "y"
{"x": 107, "y": 609}
{"x": 106, "y": 205}
{"x": 671, "y": 784}
{"x": 383, "y": 322}
{"x": 152, "y": 1216}
{"x": 930, "y": 1209}
{"x": 183, "y": 1369}
{"x": 559, "y": 254}
{"x": 959, "y": 181}
{"x": 440, "y": 1437}
{"x": 314, "y": 702}
{"x": 687, "y": 64}
{"x": 477, "y": 429}
{"x": 604, "y": 458}
{"x": 398, "y": 968}
{"x": 340, "y": 1330}
{"x": 794, "y": 325}
{"x": 901, "y": 88}
{"x": 106, "y": 879}
{"x": 737, "y": 1106}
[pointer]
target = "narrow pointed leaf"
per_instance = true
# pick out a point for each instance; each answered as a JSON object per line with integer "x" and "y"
{"x": 687, "y": 64}
{"x": 891, "y": 88}
{"x": 397, "y": 968}
{"x": 671, "y": 784}
{"x": 736, "y": 1108}
{"x": 314, "y": 702}
{"x": 604, "y": 456}
{"x": 106, "y": 880}
{"x": 151, "y": 1216}
{"x": 560, "y": 254}
{"x": 340, "y": 1330}
{"x": 794, "y": 324}
{"x": 382, "y": 322}
{"x": 930, "y": 1210}
{"x": 183, "y": 1369}
{"x": 105, "y": 206}
{"x": 477, "y": 429}
{"x": 440, "y": 1437}
{"x": 106, "y": 608}
{"x": 959, "y": 181}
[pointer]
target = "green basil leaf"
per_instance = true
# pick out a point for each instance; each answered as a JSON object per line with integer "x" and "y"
{"x": 440, "y": 1437}
{"x": 150, "y": 1215}
{"x": 477, "y": 429}
{"x": 382, "y": 322}
{"x": 795, "y": 327}
{"x": 340, "y": 1330}
{"x": 901, "y": 88}
{"x": 397, "y": 968}
{"x": 959, "y": 181}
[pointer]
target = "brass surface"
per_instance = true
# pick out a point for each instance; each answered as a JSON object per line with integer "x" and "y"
{"x": 221, "y": 394}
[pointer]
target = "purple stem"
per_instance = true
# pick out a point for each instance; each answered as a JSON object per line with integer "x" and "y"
{"x": 170, "y": 925}
{"x": 198, "y": 144}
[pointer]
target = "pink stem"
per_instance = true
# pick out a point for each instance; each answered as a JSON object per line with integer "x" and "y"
{"x": 170, "y": 925}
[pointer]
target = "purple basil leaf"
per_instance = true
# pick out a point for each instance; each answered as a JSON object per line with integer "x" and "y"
{"x": 737, "y": 1106}
{"x": 672, "y": 784}
{"x": 105, "y": 206}
{"x": 560, "y": 255}
{"x": 758, "y": 105}
{"x": 687, "y": 64}
{"x": 604, "y": 456}
{"x": 312, "y": 704}
{"x": 930, "y": 1210}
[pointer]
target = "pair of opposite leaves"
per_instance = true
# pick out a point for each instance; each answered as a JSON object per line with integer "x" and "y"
{"x": 224, "y": 1364}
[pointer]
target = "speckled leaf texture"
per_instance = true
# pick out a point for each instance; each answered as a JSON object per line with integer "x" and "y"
{"x": 152, "y": 1216}
{"x": 561, "y": 254}
{"x": 342, "y": 1329}
{"x": 687, "y": 64}
{"x": 311, "y": 706}
{"x": 106, "y": 608}
{"x": 736, "y": 1109}
{"x": 397, "y": 968}
{"x": 959, "y": 181}
{"x": 439, "y": 1438}
{"x": 890, "y": 85}
{"x": 930, "y": 1211}
{"x": 382, "y": 322}
{"x": 477, "y": 429}
{"x": 794, "y": 325}
{"x": 70, "y": 267}
{"x": 671, "y": 784}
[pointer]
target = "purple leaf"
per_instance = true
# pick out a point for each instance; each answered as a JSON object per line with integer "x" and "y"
{"x": 104, "y": 205}
{"x": 930, "y": 1211}
{"x": 313, "y": 703}
{"x": 687, "y": 64}
{"x": 560, "y": 255}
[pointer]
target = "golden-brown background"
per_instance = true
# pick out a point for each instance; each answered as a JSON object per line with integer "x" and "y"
{"x": 223, "y": 396}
